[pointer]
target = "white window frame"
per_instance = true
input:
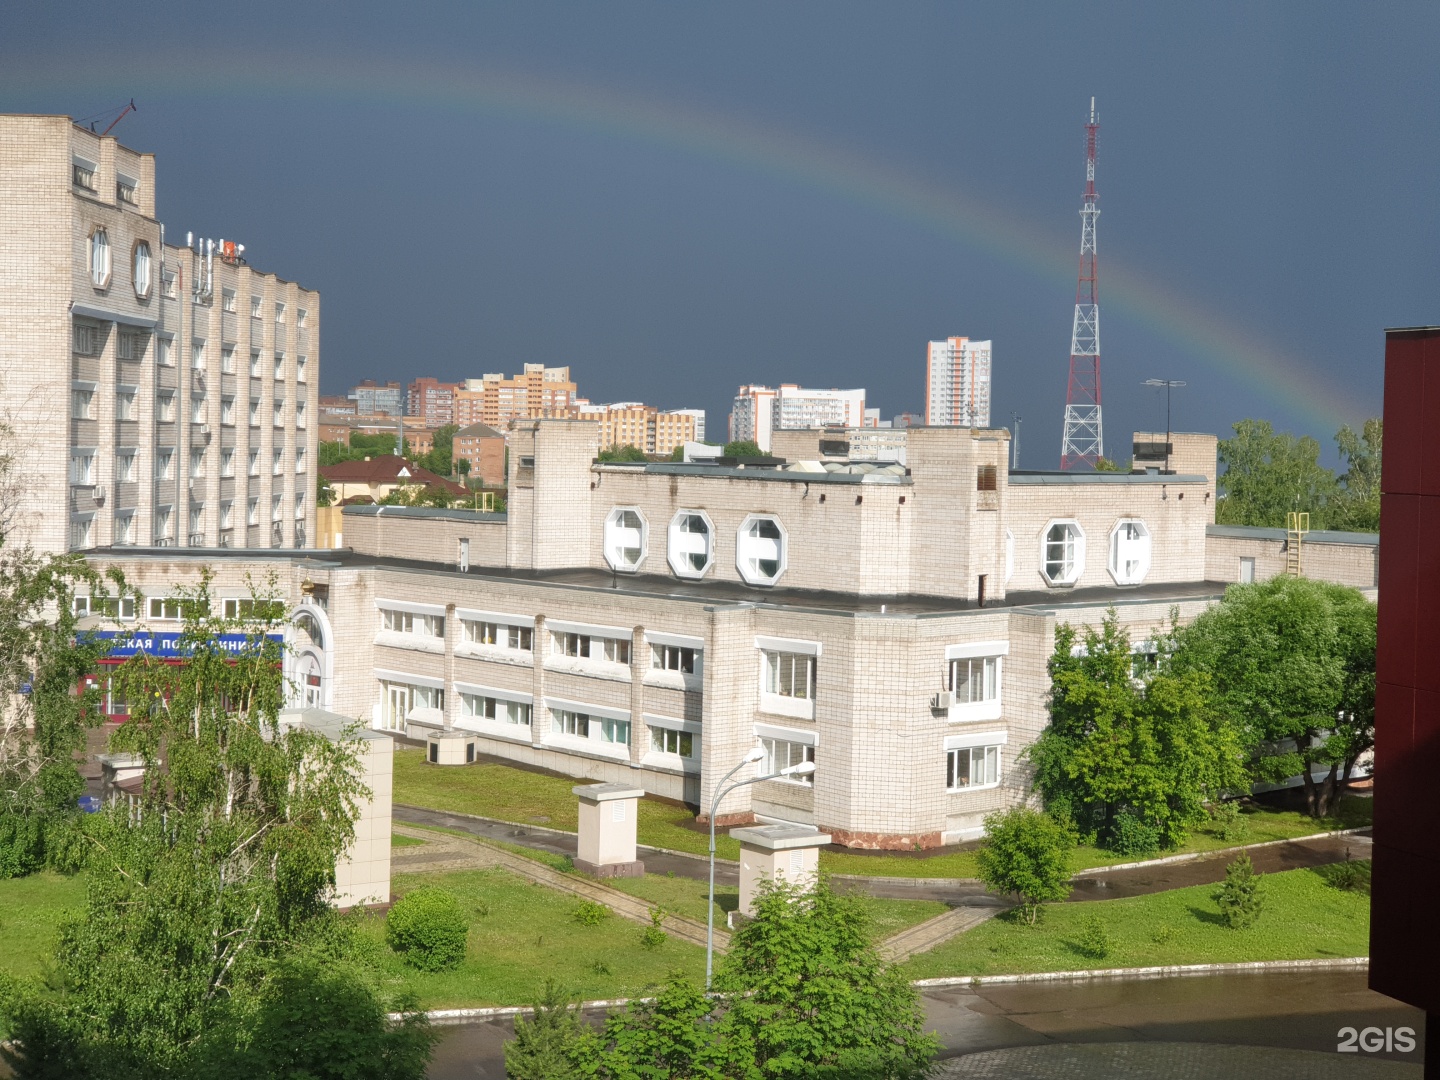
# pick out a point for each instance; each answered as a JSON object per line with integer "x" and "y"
{"x": 227, "y": 300}
{"x": 82, "y": 466}
{"x": 165, "y": 463}
{"x": 100, "y": 259}
{"x": 277, "y": 461}
{"x": 257, "y": 306}
{"x": 125, "y": 535}
{"x": 621, "y": 538}
{"x": 668, "y": 649}
{"x": 226, "y": 513}
{"x": 967, "y": 743}
{"x": 1009, "y": 554}
{"x": 254, "y": 412}
{"x": 227, "y": 411}
{"x": 255, "y": 363}
{"x": 163, "y": 516}
{"x": 299, "y": 459}
{"x": 165, "y": 406}
{"x": 512, "y": 636}
{"x": 227, "y": 359}
{"x": 253, "y": 464}
{"x": 1132, "y": 570}
{"x": 165, "y": 351}
{"x": 197, "y": 408}
{"x": 125, "y": 465}
{"x": 252, "y": 512}
{"x": 989, "y": 654}
{"x": 751, "y": 550}
{"x": 197, "y": 464}
{"x": 197, "y": 354}
{"x": 797, "y": 746}
{"x": 82, "y": 400}
{"x": 601, "y": 724}
{"x": 683, "y": 545}
{"x": 1077, "y": 549}
{"x": 141, "y": 264}
{"x": 787, "y": 654}
{"x": 490, "y": 710}
{"x": 300, "y": 365}
{"x": 125, "y": 406}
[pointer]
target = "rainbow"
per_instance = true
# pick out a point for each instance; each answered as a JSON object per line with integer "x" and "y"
{"x": 1206, "y": 334}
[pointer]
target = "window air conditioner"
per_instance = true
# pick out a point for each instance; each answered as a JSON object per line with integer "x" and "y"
{"x": 943, "y": 700}
{"x": 99, "y": 495}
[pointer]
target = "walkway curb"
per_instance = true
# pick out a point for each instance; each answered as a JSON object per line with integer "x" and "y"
{"x": 1150, "y": 972}
{"x": 500, "y": 1012}
{"x": 1195, "y": 855}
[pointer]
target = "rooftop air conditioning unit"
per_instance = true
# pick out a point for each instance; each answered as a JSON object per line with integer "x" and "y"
{"x": 943, "y": 700}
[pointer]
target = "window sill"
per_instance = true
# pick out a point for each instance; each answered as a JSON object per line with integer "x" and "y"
{"x": 594, "y": 669}
{"x": 808, "y": 785}
{"x": 778, "y": 705}
{"x": 975, "y": 710}
{"x": 674, "y": 680}
{"x": 495, "y": 729}
{"x": 671, "y": 763}
{"x": 496, "y": 654}
{"x": 972, "y": 787}
{"x": 415, "y": 642}
{"x": 593, "y": 747}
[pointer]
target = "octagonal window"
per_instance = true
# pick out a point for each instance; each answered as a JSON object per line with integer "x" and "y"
{"x": 1129, "y": 552}
{"x": 760, "y": 549}
{"x": 625, "y": 537}
{"x": 691, "y": 543}
{"x": 1062, "y": 552}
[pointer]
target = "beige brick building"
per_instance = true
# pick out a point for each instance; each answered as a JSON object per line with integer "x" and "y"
{"x": 632, "y": 423}
{"x": 494, "y": 400}
{"x": 648, "y": 624}
{"x": 156, "y": 394}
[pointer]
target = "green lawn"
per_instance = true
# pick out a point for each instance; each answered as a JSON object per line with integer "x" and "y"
{"x": 685, "y": 896}
{"x": 522, "y": 934}
{"x": 1304, "y": 918}
{"x": 396, "y": 840}
{"x": 510, "y": 794}
{"x": 30, "y": 910}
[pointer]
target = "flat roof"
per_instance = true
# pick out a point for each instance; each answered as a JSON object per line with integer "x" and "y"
{"x": 1037, "y": 476}
{"x": 704, "y": 592}
{"x": 1317, "y": 536}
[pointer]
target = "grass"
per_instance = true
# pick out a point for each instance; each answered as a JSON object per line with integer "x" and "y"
{"x": 30, "y": 911}
{"x": 510, "y": 794}
{"x": 396, "y": 840}
{"x": 685, "y": 896}
{"x": 1304, "y": 918}
{"x": 522, "y": 934}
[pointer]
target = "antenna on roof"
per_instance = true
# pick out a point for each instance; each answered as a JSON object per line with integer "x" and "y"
{"x": 123, "y": 113}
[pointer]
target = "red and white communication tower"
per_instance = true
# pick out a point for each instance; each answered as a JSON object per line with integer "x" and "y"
{"x": 1084, "y": 443}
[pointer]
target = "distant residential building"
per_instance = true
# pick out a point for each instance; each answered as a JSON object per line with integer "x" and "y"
{"x": 759, "y": 410}
{"x": 539, "y": 392}
{"x": 484, "y": 448}
{"x": 632, "y": 423}
{"x": 372, "y": 398}
{"x": 376, "y": 477}
{"x": 957, "y": 383}
{"x": 699, "y": 415}
{"x": 337, "y": 405}
{"x": 908, "y": 419}
{"x": 431, "y": 401}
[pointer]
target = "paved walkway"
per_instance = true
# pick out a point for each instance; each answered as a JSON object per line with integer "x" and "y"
{"x": 1172, "y": 1061}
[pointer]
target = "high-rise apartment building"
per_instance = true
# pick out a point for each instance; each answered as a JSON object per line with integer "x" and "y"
{"x": 378, "y": 399}
{"x": 957, "y": 383}
{"x": 155, "y": 394}
{"x": 759, "y": 410}
{"x": 538, "y": 392}
{"x": 432, "y": 401}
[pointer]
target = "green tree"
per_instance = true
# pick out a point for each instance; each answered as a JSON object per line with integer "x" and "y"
{"x": 678, "y": 454}
{"x": 743, "y": 448}
{"x": 221, "y": 867}
{"x": 324, "y": 493}
{"x": 672, "y": 1036}
{"x": 1127, "y": 739}
{"x": 440, "y": 458}
{"x": 1242, "y": 896}
{"x": 1104, "y": 464}
{"x": 462, "y": 467}
{"x": 807, "y": 995}
{"x": 1357, "y": 506}
{"x": 1026, "y": 854}
{"x": 1292, "y": 662}
{"x": 551, "y": 1045}
{"x": 622, "y": 453}
{"x": 1267, "y": 475}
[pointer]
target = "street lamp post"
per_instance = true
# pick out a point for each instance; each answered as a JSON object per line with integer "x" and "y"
{"x": 755, "y": 754}
{"x": 1168, "y": 384}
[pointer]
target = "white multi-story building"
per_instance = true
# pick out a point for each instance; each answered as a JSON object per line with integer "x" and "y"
{"x": 154, "y": 394}
{"x": 759, "y": 410}
{"x": 650, "y": 623}
{"x": 957, "y": 383}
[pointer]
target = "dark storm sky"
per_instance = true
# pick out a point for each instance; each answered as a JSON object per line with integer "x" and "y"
{"x": 676, "y": 198}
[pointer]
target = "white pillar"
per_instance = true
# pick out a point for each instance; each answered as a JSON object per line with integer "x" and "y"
{"x": 788, "y": 853}
{"x": 607, "y": 830}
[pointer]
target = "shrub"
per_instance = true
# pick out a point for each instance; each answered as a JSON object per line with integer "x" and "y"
{"x": 67, "y": 849}
{"x": 590, "y": 913}
{"x": 428, "y": 927}
{"x": 1351, "y": 876}
{"x": 544, "y": 1046}
{"x": 22, "y": 844}
{"x": 1230, "y": 824}
{"x": 1129, "y": 835}
{"x": 654, "y": 935}
{"x": 1094, "y": 941}
{"x": 1242, "y": 896}
{"x": 1026, "y": 853}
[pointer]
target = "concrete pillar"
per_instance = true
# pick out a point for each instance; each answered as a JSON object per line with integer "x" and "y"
{"x": 607, "y": 830}
{"x": 539, "y": 713}
{"x": 788, "y": 853}
{"x": 639, "y": 665}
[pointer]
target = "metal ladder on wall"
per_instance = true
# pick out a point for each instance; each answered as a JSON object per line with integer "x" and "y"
{"x": 1297, "y": 524}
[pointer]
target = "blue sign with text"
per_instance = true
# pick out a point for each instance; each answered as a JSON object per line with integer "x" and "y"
{"x": 126, "y": 643}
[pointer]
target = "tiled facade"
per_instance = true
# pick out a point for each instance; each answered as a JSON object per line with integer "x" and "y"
{"x": 569, "y": 633}
{"x": 142, "y": 378}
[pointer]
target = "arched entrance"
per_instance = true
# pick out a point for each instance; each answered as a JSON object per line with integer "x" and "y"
{"x": 312, "y": 666}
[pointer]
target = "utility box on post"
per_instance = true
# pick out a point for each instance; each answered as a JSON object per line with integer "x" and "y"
{"x": 788, "y": 853}
{"x": 607, "y": 830}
